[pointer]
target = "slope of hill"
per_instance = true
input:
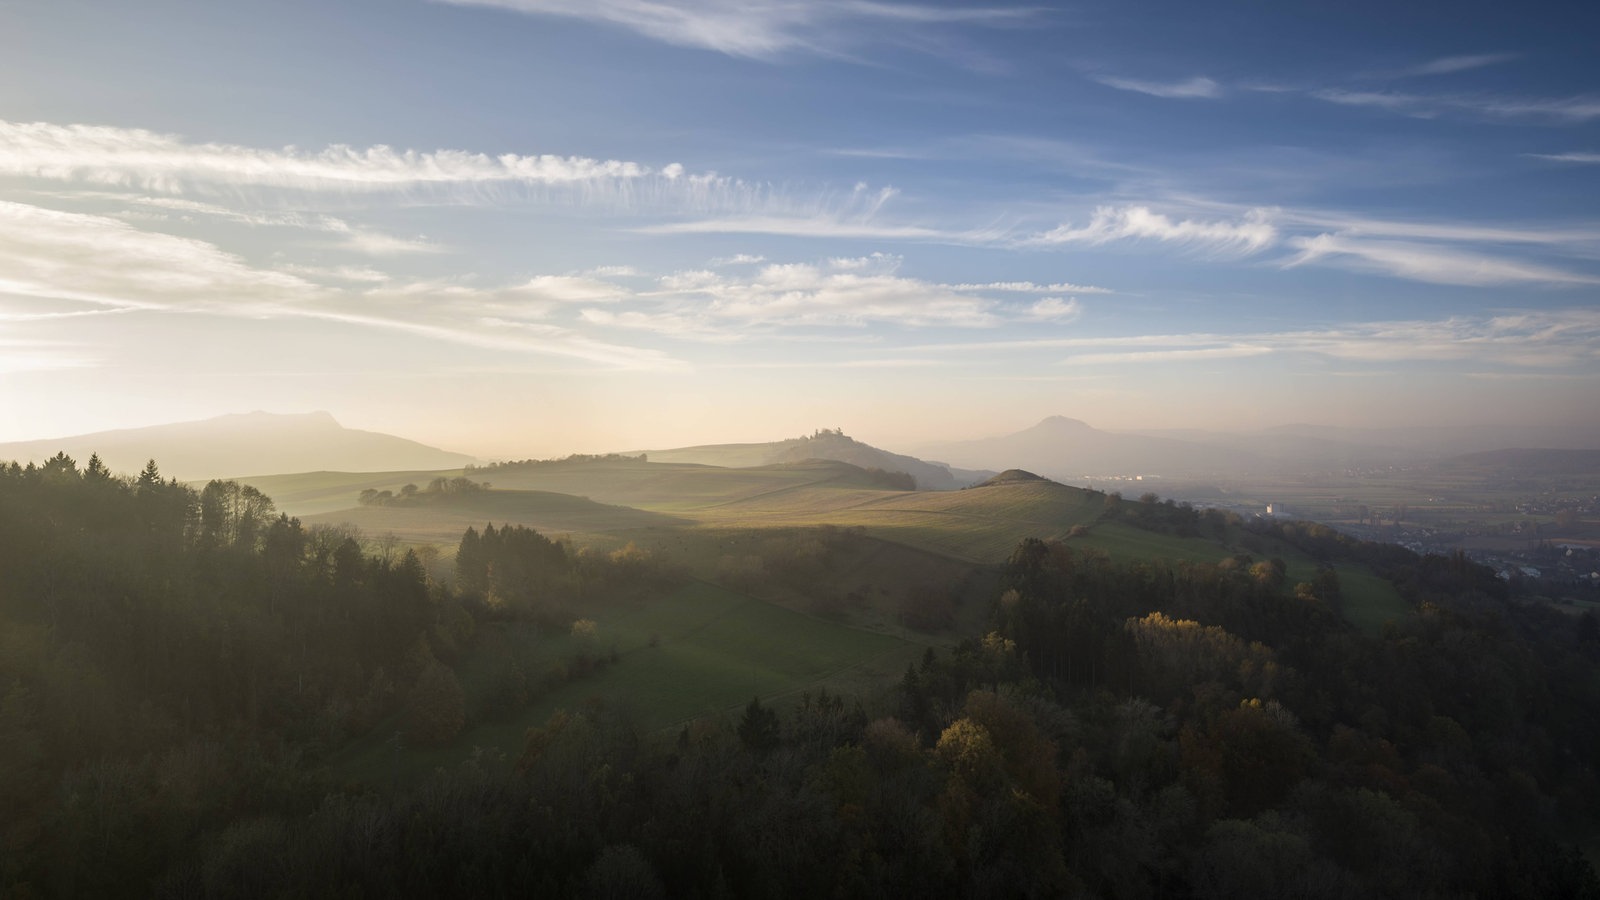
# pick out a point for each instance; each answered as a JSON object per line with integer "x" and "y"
{"x": 979, "y": 524}
{"x": 443, "y": 522}
{"x": 824, "y": 444}
{"x": 243, "y": 444}
{"x": 1012, "y": 476}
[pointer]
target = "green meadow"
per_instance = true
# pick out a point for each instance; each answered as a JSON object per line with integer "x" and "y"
{"x": 700, "y": 650}
{"x": 698, "y": 516}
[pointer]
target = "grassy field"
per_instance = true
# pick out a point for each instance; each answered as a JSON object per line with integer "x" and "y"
{"x": 697, "y": 516}
{"x": 612, "y": 497}
{"x": 698, "y": 651}
{"x": 310, "y": 493}
{"x": 1369, "y": 601}
{"x": 443, "y": 522}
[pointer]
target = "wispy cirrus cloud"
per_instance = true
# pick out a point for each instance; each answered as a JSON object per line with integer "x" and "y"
{"x": 106, "y": 156}
{"x": 1054, "y": 309}
{"x": 31, "y": 355}
{"x": 357, "y": 239}
{"x": 1250, "y": 234}
{"x": 1029, "y": 287}
{"x": 1581, "y": 158}
{"x": 110, "y": 263}
{"x": 1427, "y": 262}
{"x": 812, "y": 226}
{"x": 1188, "y": 354}
{"x": 266, "y": 188}
{"x": 1449, "y": 65}
{"x": 764, "y": 31}
{"x": 1579, "y": 236}
{"x": 1435, "y": 252}
{"x": 1543, "y": 340}
{"x": 78, "y": 264}
{"x": 1196, "y": 88}
{"x": 98, "y": 265}
{"x": 376, "y": 243}
{"x": 351, "y": 274}
{"x": 1554, "y": 110}
{"x": 827, "y": 214}
{"x": 801, "y": 294}
{"x": 847, "y": 294}
{"x": 1555, "y": 339}
{"x": 571, "y": 289}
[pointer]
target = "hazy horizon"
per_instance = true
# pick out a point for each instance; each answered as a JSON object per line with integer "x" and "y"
{"x": 233, "y": 445}
{"x": 527, "y": 228}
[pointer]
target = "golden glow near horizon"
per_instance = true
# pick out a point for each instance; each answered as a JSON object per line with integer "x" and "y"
{"x": 516, "y": 233}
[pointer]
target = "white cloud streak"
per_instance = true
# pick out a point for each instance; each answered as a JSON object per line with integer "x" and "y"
{"x": 1197, "y": 88}
{"x": 376, "y": 243}
{"x": 1555, "y": 110}
{"x": 839, "y": 293}
{"x": 819, "y": 226}
{"x": 1243, "y": 237}
{"x": 53, "y": 254}
{"x": 1426, "y": 262}
{"x": 1055, "y": 309}
{"x": 1431, "y": 252}
{"x": 107, "y": 263}
{"x": 1448, "y": 65}
{"x": 19, "y": 355}
{"x": 570, "y": 289}
{"x": 1568, "y": 238}
{"x": 356, "y": 239}
{"x": 1028, "y": 287}
{"x": 1589, "y": 159}
{"x": 810, "y": 295}
{"x": 136, "y": 158}
{"x": 1202, "y": 354}
{"x": 1532, "y": 339}
{"x": 761, "y": 31}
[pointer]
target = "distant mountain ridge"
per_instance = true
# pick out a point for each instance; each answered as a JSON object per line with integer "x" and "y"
{"x": 824, "y": 444}
{"x": 256, "y": 443}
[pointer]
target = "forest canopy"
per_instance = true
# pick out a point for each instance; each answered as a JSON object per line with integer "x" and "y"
{"x": 178, "y": 665}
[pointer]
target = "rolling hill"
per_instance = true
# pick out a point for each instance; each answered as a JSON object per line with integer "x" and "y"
{"x": 443, "y": 521}
{"x": 980, "y": 524}
{"x": 824, "y": 444}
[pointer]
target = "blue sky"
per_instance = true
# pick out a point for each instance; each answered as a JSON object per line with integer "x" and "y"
{"x": 532, "y": 227}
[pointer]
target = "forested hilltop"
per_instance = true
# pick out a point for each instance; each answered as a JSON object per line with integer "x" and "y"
{"x": 179, "y": 667}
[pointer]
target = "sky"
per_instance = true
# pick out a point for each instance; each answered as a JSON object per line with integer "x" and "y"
{"x": 526, "y": 228}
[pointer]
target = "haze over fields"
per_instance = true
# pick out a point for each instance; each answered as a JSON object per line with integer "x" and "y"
{"x": 521, "y": 228}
